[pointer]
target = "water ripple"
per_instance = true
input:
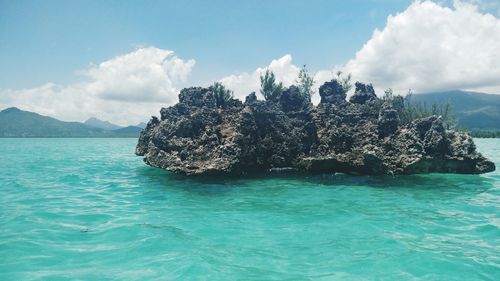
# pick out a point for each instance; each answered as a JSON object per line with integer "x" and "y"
{"x": 87, "y": 209}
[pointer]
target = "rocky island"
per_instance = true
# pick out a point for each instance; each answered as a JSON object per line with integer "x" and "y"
{"x": 363, "y": 135}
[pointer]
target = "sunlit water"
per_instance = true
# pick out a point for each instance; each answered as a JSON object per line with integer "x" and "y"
{"x": 88, "y": 209}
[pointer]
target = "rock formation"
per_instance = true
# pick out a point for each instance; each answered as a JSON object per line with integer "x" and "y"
{"x": 197, "y": 137}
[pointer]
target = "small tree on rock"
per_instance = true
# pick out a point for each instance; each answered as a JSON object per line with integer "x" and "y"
{"x": 269, "y": 88}
{"x": 345, "y": 81}
{"x": 410, "y": 110}
{"x": 222, "y": 94}
{"x": 305, "y": 83}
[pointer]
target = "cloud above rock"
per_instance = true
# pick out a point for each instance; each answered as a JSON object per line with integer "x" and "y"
{"x": 244, "y": 83}
{"x": 429, "y": 47}
{"x": 145, "y": 75}
{"x": 126, "y": 89}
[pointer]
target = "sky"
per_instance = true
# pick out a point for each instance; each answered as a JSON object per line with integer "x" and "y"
{"x": 122, "y": 61}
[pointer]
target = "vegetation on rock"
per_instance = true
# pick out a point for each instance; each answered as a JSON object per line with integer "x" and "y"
{"x": 365, "y": 135}
{"x": 345, "y": 81}
{"x": 269, "y": 88}
{"x": 409, "y": 110}
{"x": 305, "y": 83}
{"x": 221, "y": 93}
{"x": 474, "y": 111}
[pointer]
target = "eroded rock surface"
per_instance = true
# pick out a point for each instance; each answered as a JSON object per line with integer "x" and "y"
{"x": 195, "y": 137}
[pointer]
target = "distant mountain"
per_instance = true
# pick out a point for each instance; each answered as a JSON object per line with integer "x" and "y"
{"x": 129, "y": 130}
{"x": 141, "y": 125}
{"x": 96, "y": 123}
{"x": 18, "y": 123}
{"x": 474, "y": 111}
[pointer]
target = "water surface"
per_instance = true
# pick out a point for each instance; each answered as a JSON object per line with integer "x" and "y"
{"x": 88, "y": 209}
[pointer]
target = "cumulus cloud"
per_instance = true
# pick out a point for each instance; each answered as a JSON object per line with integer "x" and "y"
{"x": 126, "y": 89}
{"x": 145, "y": 75}
{"x": 492, "y": 6}
{"x": 429, "y": 47}
{"x": 245, "y": 83}
{"x": 286, "y": 72}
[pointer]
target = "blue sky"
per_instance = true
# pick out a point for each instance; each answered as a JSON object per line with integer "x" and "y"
{"x": 48, "y": 40}
{"x": 123, "y": 60}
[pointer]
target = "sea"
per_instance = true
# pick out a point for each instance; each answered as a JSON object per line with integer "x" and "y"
{"x": 89, "y": 209}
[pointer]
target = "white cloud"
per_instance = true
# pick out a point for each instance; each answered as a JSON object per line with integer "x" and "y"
{"x": 429, "y": 47}
{"x": 244, "y": 83}
{"x": 127, "y": 89}
{"x": 491, "y": 6}
{"x": 286, "y": 72}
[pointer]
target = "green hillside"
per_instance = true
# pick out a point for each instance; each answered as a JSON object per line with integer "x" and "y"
{"x": 474, "y": 111}
{"x": 129, "y": 130}
{"x": 18, "y": 123}
{"x": 477, "y": 112}
{"x": 96, "y": 123}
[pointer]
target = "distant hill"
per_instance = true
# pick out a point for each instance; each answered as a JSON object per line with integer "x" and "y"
{"x": 474, "y": 111}
{"x": 18, "y": 123}
{"x": 478, "y": 112}
{"x": 129, "y": 130}
{"x": 96, "y": 123}
{"x": 141, "y": 125}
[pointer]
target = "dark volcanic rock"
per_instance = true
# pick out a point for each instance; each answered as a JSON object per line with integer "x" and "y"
{"x": 388, "y": 121}
{"x": 332, "y": 92}
{"x": 363, "y": 93}
{"x": 291, "y": 100}
{"x": 195, "y": 137}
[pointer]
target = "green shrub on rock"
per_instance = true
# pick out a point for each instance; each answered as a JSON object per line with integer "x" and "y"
{"x": 222, "y": 94}
{"x": 269, "y": 88}
{"x": 305, "y": 83}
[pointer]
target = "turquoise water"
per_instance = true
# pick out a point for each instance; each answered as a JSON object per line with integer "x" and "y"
{"x": 88, "y": 209}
